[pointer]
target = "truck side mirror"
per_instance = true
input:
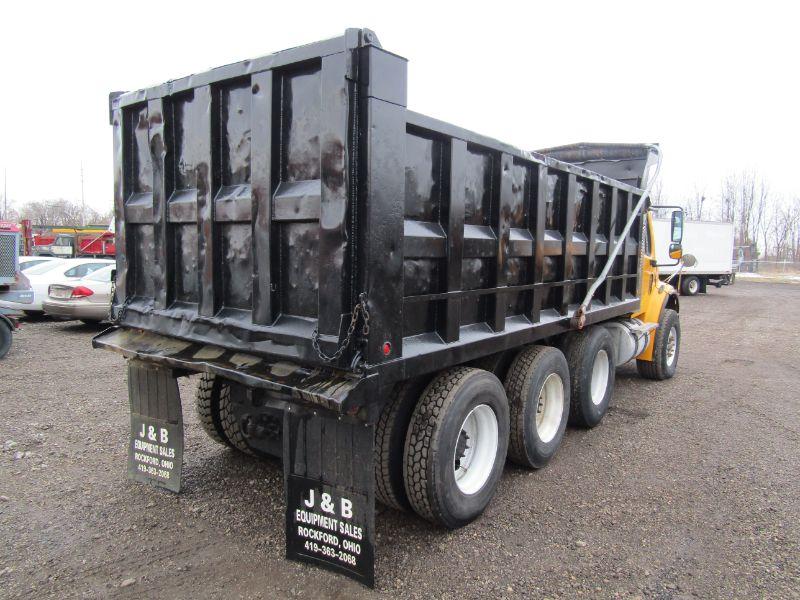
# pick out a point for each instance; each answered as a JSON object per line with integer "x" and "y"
{"x": 677, "y": 229}
{"x": 675, "y": 251}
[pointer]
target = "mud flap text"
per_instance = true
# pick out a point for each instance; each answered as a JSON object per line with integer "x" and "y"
{"x": 330, "y": 495}
{"x": 328, "y": 525}
{"x": 155, "y": 447}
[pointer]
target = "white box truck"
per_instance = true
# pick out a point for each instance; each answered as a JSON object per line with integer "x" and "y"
{"x": 711, "y": 242}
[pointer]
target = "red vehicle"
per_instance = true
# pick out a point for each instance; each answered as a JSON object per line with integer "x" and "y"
{"x": 97, "y": 245}
{"x": 66, "y": 242}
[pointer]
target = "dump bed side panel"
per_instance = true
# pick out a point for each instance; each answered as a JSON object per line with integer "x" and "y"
{"x": 498, "y": 241}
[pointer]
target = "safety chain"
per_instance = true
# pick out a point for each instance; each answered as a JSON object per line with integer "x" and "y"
{"x": 361, "y": 307}
{"x": 122, "y": 309}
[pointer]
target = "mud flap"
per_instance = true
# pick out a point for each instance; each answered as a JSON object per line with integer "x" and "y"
{"x": 155, "y": 448}
{"x": 330, "y": 492}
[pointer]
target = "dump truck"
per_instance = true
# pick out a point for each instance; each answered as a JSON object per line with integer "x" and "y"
{"x": 391, "y": 305}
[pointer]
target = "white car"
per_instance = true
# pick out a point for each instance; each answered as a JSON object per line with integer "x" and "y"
{"x": 28, "y": 262}
{"x": 60, "y": 270}
{"x": 87, "y": 299}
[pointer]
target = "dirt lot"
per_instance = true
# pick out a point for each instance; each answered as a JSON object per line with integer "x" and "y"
{"x": 690, "y": 487}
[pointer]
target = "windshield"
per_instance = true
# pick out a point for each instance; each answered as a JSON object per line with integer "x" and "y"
{"x": 103, "y": 274}
{"x": 29, "y": 264}
{"x": 44, "y": 267}
{"x": 84, "y": 268}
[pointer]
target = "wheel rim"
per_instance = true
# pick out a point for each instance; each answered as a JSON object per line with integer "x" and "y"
{"x": 693, "y": 286}
{"x": 672, "y": 346}
{"x": 600, "y": 370}
{"x": 550, "y": 407}
{"x": 476, "y": 449}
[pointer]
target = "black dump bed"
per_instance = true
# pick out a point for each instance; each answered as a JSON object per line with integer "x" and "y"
{"x": 257, "y": 201}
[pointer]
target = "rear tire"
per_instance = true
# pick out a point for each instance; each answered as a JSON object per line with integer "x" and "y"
{"x": 690, "y": 286}
{"x": 214, "y": 401}
{"x": 208, "y": 397}
{"x": 232, "y": 428}
{"x": 390, "y": 441}
{"x": 5, "y": 339}
{"x": 537, "y": 385}
{"x": 592, "y": 360}
{"x": 456, "y": 446}
{"x": 666, "y": 348}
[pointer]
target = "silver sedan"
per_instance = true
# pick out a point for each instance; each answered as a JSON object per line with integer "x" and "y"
{"x": 87, "y": 299}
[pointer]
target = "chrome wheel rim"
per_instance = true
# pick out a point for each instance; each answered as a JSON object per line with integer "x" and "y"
{"x": 694, "y": 285}
{"x": 672, "y": 346}
{"x": 476, "y": 449}
{"x": 600, "y": 370}
{"x": 550, "y": 407}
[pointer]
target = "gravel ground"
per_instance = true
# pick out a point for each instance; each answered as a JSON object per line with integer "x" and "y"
{"x": 689, "y": 488}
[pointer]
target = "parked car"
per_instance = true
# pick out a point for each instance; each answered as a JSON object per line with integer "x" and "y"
{"x": 28, "y": 262}
{"x": 60, "y": 270}
{"x": 87, "y": 299}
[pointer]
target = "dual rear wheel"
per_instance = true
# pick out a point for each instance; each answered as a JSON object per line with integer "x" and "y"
{"x": 214, "y": 401}
{"x": 440, "y": 448}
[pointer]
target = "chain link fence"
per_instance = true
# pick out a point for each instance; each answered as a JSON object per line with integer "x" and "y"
{"x": 768, "y": 268}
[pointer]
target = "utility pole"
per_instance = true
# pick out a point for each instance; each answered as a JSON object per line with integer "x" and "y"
{"x": 5, "y": 194}
{"x": 83, "y": 201}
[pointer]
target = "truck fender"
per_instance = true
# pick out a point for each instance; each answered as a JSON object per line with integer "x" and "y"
{"x": 672, "y": 302}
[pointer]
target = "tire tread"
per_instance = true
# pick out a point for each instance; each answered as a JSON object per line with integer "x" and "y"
{"x": 517, "y": 386}
{"x": 206, "y": 397}
{"x": 656, "y": 369}
{"x": 384, "y": 428}
{"x": 420, "y": 442}
{"x": 574, "y": 347}
{"x": 230, "y": 424}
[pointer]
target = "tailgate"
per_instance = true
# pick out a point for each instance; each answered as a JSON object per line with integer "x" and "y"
{"x": 234, "y": 202}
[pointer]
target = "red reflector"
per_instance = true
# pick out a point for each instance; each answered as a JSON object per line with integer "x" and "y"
{"x": 81, "y": 292}
{"x": 387, "y": 348}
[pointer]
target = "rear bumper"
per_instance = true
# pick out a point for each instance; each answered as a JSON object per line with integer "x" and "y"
{"x": 76, "y": 310}
{"x": 340, "y": 392}
{"x": 16, "y": 299}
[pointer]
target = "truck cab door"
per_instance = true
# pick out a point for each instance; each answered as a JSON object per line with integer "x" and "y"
{"x": 649, "y": 269}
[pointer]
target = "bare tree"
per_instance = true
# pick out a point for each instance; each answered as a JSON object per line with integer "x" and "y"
{"x": 728, "y": 199}
{"x": 657, "y": 193}
{"x": 783, "y": 224}
{"x": 744, "y": 201}
{"x": 695, "y": 207}
{"x": 791, "y": 218}
{"x": 760, "y": 216}
{"x": 62, "y": 213}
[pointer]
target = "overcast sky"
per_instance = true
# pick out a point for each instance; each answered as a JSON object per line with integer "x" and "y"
{"x": 716, "y": 84}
